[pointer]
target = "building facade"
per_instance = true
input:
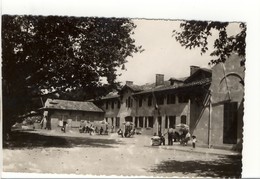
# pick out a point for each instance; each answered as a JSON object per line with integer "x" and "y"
{"x": 154, "y": 108}
{"x": 222, "y": 117}
{"x": 72, "y": 112}
{"x": 210, "y": 101}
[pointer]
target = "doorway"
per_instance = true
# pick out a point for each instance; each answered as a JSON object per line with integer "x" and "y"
{"x": 230, "y": 123}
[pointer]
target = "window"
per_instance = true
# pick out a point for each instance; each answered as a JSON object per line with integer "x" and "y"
{"x": 183, "y": 98}
{"x": 230, "y": 123}
{"x": 140, "y": 102}
{"x": 112, "y": 104}
{"x": 150, "y": 121}
{"x": 183, "y": 119}
{"x": 160, "y": 99}
{"x": 118, "y": 104}
{"x": 150, "y": 99}
{"x": 117, "y": 121}
{"x": 170, "y": 99}
{"x": 141, "y": 122}
{"x": 136, "y": 121}
{"x": 106, "y": 104}
{"x": 172, "y": 121}
{"x": 106, "y": 119}
{"x": 129, "y": 119}
{"x": 126, "y": 103}
{"x": 129, "y": 102}
{"x": 145, "y": 122}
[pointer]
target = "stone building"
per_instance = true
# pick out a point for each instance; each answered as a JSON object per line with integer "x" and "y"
{"x": 156, "y": 107}
{"x": 210, "y": 101}
{"x": 221, "y": 120}
{"x": 72, "y": 112}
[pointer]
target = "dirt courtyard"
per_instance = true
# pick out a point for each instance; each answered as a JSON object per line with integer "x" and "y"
{"x": 74, "y": 153}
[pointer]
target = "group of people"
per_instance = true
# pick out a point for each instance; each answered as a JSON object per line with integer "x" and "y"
{"x": 91, "y": 129}
{"x": 174, "y": 136}
{"x": 127, "y": 133}
{"x": 87, "y": 129}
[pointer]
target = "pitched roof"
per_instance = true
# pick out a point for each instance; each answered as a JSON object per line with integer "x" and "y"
{"x": 204, "y": 81}
{"x": 185, "y": 82}
{"x": 178, "y": 79}
{"x": 134, "y": 88}
{"x": 71, "y": 105}
{"x": 113, "y": 94}
{"x": 207, "y": 72}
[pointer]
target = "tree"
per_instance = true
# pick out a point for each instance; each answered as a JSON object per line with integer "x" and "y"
{"x": 195, "y": 34}
{"x": 52, "y": 53}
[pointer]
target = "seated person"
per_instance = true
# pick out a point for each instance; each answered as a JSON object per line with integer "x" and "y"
{"x": 120, "y": 132}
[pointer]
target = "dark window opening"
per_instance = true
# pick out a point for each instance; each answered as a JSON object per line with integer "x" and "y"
{"x": 112, "y": 104}
{"x": 160, "y": 99}
{"x": 183, "y": 98}
{"x": 183, "y": 119}
{"x": 140, "y": 102}
{"x": 170, "y": 99}
{"x": 172, "y": 121}
{"x": 118, "y": 104}
{"x": 129, "y": 102}
{"x": 150, "y": 121}
{"x": 141, "y": 122}
{"x": 129, "y": 119}
{"x": 150, "y": 99}
{"x": 136, "y": 121}
{"x": 107, "y": 105}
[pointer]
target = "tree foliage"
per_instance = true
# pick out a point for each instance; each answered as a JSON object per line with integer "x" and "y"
{"x": 55, "y": 53}
{"x": 195, "y": 34}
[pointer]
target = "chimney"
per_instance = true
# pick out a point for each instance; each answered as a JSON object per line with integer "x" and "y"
{"x": 159, "y": 79}
{"x": 129, "y": 82}
{"x": 193, "y": 69}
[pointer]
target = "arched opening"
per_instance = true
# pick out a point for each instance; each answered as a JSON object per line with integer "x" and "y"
{"x": 129, "y": 119}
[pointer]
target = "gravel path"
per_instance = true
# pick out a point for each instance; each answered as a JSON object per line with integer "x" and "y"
{"x": 74, "y": 153}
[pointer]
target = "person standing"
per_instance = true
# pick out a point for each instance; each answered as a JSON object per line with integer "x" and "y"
{"x": 101, "y": 130}
{"x": 112, "y": 129}
{"x": 194, "y": 140}
{"x": 162, "y": 138}
{"x": 64, "y": 126}
{"x": 170, "y": 135}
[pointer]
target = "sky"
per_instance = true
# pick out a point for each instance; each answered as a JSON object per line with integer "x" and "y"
{"x": 162, "y": 53}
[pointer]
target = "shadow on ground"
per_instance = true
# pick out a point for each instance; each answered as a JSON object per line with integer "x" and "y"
{"x": 227, "y": 166}
{"x": 22, "y": 139}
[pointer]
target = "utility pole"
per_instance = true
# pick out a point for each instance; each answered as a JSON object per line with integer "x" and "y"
{"x": 209, "y": 123}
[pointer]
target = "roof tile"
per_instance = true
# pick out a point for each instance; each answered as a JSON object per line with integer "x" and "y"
{"x": 71, "y": 105}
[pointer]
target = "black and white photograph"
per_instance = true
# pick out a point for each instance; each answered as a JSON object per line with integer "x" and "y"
{"x": 97, "y": 95}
